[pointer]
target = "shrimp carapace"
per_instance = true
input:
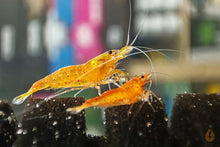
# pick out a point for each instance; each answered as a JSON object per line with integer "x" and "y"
{"x": 129, "y": 93}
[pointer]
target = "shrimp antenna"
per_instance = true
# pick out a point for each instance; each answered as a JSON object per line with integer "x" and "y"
{"x": 129, "y": 24}
{"x": 139, "y": 31}
{"x": 152, "y": 66}
{"x": 153, "y": 50}
{"x": 151, "y": 63}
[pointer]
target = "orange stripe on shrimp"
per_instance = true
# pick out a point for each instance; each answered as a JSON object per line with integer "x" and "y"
{"x": 129, "y": 93}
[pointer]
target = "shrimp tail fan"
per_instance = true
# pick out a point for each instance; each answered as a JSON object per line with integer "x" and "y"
{"x": 21, "y": 98}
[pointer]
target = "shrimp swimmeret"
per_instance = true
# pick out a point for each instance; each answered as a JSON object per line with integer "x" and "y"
{"x": 119, "y": 96}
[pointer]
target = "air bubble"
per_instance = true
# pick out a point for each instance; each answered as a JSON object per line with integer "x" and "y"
{"x": 68, "y": 118}
{"x": 115, "y": 122}
{"x": 25, "y": 132}
{"x": 50, "y": 115}
{"x": 210, "y": 104}
{"x": 10, "y": 137}
{"x": 165, "y": 119}
{"x": 57, "y": 134}
{"x": 78, "y": 126}
{"x": 34, "y": 129}
{"x": 20, "y": 131}
{"x": 55, "y": 123}
{"x": 9, "y": 119}
{"x": 37, "y": 105}
{"x": 19, "y": 125}
{"x": 148, "y": 124}
{"x": 34, "y": 141}
{"x": 140, "y": 133}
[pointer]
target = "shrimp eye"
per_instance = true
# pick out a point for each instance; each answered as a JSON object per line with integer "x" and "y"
{"x": 110, "y": 52}
{"x": 142, "y": 77}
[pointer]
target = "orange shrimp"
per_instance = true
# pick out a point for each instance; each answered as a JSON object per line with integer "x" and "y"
{"x": 129, "y": 93}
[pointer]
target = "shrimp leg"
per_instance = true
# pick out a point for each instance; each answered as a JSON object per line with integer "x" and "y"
{"x": 146, "y": 95}
{"x": 99, "y": 89}
{"x": 78, "y": 92}
{"x": 129, "y": 111}
{"x": 122, "y": 74}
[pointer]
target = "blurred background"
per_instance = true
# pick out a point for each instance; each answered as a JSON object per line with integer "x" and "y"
{"x": 39, "y": 37}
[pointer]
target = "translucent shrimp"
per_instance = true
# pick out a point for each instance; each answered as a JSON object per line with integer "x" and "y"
{"x": 119, "y": 96}
{"x": 91, "y": 74}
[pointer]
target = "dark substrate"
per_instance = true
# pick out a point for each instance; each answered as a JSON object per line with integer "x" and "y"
{"x": 195, "y": 121}
{"x": 142, "y": 127}
{"x": 48, "y": 124}
{"x": 8, "y": 124}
